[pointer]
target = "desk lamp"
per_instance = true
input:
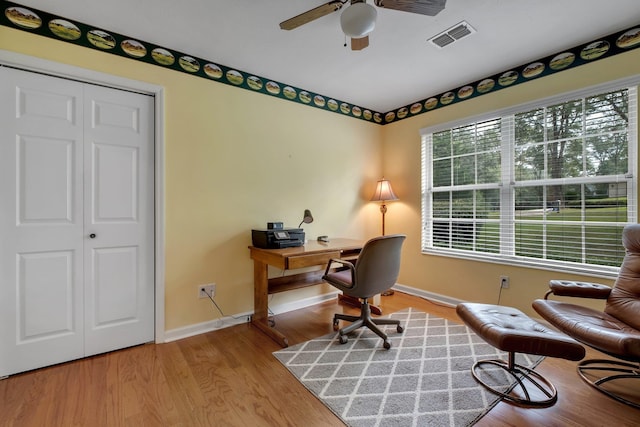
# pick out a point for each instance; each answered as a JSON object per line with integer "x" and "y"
{"x": 384, "y": 193}
{"x": 307, "y": 218}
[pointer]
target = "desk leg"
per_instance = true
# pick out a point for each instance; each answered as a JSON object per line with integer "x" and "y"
{"x": 260, "y": 317}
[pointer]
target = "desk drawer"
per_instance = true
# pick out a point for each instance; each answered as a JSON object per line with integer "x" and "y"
{"x": 309, "y": 260}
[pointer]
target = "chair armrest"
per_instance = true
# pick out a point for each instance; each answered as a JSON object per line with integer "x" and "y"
{"x": 567, "y": 288}
{"x": 343, "y": 262}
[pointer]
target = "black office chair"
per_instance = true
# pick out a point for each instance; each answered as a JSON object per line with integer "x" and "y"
{"x": 375, "y": 271}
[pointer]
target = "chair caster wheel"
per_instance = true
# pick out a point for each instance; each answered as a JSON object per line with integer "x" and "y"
{"x": 336, "y": 324}
{"x": 386, "y": 344}
{"x": 343, "y": 339}
{"x": 400, "y": 329}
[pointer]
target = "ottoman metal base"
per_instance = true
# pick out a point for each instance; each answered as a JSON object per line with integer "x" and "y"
{"x": 525, "y": 379}
{"x": 512, "y": 331}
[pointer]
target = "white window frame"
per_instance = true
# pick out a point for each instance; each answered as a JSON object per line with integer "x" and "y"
{"x": 507, "y": 183}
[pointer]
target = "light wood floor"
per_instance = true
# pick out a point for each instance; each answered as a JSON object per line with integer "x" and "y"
{"x": 229, "y": 378}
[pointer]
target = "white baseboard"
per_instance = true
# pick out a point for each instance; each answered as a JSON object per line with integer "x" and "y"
{"x": 211, "y": 325}
{"x": 237, "y": 319}
{"x": 306, "y": 302}
{"x": 442, "y": 299}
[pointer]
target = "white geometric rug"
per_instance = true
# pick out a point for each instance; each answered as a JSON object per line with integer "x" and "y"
{"x": 423, "y": 380}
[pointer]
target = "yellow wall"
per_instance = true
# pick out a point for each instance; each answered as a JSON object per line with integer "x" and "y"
{"x": 235, "y": 160}
{"x": 457, "y": 278}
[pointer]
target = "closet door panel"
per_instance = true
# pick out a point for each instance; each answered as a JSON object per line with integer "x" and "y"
{"x": 119, "y": 299}
{"x": 76, "y": 220}
{"x": 41, "y": 221}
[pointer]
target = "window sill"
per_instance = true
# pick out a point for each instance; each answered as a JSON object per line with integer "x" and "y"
{"x": 601, "y": 272}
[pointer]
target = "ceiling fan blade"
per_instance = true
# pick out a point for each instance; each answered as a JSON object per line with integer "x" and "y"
{"x": 359, "y": 44}
{"x": 311, "y": 15}
{"x": 423, "y": 7}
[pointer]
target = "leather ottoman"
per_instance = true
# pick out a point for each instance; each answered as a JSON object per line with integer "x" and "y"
{"x": 512, "y": 331}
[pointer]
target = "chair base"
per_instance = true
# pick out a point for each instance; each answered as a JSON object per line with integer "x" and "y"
{"x": 364, "y": 319}
{"x": 620, "y": 370}
{"x": 355, "y": 302}
{"x": 525, "y": 378}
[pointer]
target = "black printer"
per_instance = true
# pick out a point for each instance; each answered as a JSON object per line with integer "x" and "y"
{"x": 277, "y": 238}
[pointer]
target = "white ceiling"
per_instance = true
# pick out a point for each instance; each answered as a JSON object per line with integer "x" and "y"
{"x": 398, "y": 67}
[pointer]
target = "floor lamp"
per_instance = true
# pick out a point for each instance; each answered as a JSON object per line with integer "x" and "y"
{"x": 384, "y": 193}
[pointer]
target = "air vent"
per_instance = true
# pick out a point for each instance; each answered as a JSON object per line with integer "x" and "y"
{"x": 454, "y": 33}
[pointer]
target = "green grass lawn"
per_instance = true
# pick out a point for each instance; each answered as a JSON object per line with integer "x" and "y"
{"x": 565, "y": 236}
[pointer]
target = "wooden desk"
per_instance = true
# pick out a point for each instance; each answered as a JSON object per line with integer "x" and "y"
{"x": 311, "y": 254}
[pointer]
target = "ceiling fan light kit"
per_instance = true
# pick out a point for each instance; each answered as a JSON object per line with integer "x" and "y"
{"x": 358, "y": 20}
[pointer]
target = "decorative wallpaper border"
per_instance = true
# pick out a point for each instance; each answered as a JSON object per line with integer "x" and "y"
{"x": 610, "y": 45}
{"x": 45, "y": 24}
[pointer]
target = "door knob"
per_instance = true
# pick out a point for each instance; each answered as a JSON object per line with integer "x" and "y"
{"x": 92, "y": 235}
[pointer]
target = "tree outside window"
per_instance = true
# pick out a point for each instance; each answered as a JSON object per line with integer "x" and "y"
{"x": 552, "y": 183}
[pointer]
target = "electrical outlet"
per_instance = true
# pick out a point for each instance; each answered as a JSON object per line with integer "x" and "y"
{"x": 504, "y": 282}
{"x": 204, "y": 291}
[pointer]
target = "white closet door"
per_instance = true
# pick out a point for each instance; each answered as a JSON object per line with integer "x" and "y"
{"x": 75, "y": 160}
{"x": 41, "y": 222}
{"x": 119, "y": 197}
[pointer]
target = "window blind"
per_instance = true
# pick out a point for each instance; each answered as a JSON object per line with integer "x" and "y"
{"x": 549, "y": 183}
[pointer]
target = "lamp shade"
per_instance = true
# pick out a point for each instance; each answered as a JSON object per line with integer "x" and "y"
{"x": 358, "y": 20}
{"x": 307, "y": 218}
{"x": 383, "y": 192}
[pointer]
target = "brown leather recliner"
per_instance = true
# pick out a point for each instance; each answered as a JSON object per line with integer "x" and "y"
{"x": 614, "y": 331}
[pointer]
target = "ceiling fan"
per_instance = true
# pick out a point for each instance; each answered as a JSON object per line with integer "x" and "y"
{"x": 359, "y": 19}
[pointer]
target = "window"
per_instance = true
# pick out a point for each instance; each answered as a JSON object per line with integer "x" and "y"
{"x": 550, "y": 183}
